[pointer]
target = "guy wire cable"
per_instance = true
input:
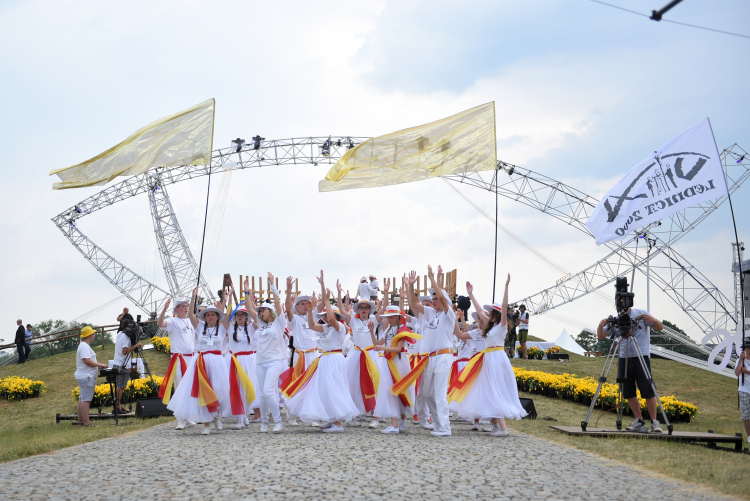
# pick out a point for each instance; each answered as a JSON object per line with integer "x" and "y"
{"x": 541, "y": 258}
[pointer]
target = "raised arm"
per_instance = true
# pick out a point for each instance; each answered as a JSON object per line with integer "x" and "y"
{"x": 161, "y": 322}
{"x": 436, "y": 285}
{"x": 344, "y": 311}
{"x": 276, "y": 298}
{"x": 330, "y": 315}
{"x": 289, "y": 299}
{"x": 311, "y": 323}
{"x": 250, "y": 302}
{"x": 477, "y": 306}
{"x": 504, "y": 314}
{"x": 191, "y": 309}
{"x": 371, "y": 328}
{"x": 416, "y": 307}
{"x": 461, "y": 333}
{"x": 227, "y": 292}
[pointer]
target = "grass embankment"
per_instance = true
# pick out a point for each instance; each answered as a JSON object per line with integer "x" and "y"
{"x": 714, "y": 395}
{"x": 28, "y": 427}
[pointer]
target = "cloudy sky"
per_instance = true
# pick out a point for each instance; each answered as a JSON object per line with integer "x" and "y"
{"x": 583, "y": 92}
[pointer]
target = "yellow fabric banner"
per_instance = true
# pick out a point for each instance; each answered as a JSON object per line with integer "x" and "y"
{"x": 462, "y": 143}
{"x": 184, "y": 138}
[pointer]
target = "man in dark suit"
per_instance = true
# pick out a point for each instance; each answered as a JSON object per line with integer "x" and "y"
{"x": 21, "y": 342}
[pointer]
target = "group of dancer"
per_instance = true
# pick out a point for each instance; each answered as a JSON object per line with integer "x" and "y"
{"x": 351, "y": 363}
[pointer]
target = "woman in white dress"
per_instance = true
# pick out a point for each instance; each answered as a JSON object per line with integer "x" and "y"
{"x": 393, "y": 366}
{"x": 270, "y": 360}
{"x": 321, "y": 394}
{"x": 486, "y": 388}
{"x": 203, "y": 395}
{"x": 243, "y": 345}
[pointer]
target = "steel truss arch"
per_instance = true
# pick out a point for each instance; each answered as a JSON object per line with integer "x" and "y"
{"x": 177, "y": 260}
{"x": 682, "y": 282}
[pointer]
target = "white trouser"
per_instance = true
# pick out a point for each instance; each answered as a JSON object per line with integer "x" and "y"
{"x": 435, "y": 380}
{"x": 423, "y": 412}
{"x": 268, "y": 381}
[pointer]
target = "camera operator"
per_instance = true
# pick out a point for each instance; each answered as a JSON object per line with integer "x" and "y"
{"x": 523, "y": 330}
{"x": 124, "y": 347}
{"x": 512, "y": 336}
{"x": 635, "y": 373}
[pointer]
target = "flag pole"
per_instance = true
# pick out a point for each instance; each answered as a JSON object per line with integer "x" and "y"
{"x": 494, "y": 272}
{"x": 205, "y": 219}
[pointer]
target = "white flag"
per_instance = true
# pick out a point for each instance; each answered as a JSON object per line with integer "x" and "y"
{"x": 183, "y": 138}
{"x": 684, "y": 172}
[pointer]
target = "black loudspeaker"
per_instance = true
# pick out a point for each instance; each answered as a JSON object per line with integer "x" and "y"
{"x": 528, "y": 406}
{"x": 151, "y": 407}
{"x": 559, "y": 356}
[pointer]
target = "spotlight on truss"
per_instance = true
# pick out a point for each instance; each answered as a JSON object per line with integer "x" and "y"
{"x": 351, "y": 145}
{"x": 338, "y": 143}
{"x": 741, "y": 159}
{"x": 237, "y": 144}
{"x": 256, "y": 141}
{"x": 325, "y": 150}
{"x": 78, "y": 209}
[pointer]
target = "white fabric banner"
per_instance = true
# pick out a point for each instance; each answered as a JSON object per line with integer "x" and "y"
{"x": 684, "y": 172}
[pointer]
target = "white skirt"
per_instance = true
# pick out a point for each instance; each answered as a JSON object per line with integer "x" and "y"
{"x": 186, "y": 406}
{"x": 352, "y": 376}
{"x": 247, "y": 362}
{"x": 325, "y": 397}
{"x": 494, "y": 393}
{"x": 388, "y": 405}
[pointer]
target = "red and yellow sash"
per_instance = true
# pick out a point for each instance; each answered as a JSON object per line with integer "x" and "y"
{"x": 416, "y": 372}
{"x": 455, "y": 372}
{"x": 369, "y": 378}
{"x": 410, "y": 337}
{"x": 288, "y": 377}
{"x": 202, "y": 388}
{"x": 301, "y": 381}
{"x": 458, "y": 391}
{"x": 238, "y": 376}
{"x": 165, "y": 390}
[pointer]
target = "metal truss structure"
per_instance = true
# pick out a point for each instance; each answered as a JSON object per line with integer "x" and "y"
{"x": 177, "y": 260}
{"x": 683, "y": 283}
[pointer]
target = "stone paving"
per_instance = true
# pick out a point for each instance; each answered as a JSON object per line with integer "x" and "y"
{"x": 304, "y": 463}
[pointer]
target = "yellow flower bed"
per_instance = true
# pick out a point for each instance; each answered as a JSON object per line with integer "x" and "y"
{"x": 19, "y": 388}
{"x": 161, "y": 343}
{"x": 570, "y": 387}
{"x": 137, "y": 388}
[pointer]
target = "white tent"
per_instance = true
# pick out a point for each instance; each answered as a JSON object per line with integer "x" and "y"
{"x": 566, "y": 342}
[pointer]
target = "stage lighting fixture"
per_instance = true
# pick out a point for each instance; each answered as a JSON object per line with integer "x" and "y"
{"x": 256, "y": 141}
{"x": 511, "y": 170}
{"x": 237, "y": 144}
{"x": 741, "y": 159}
{"x": 325, "y": 150}
{"x": 338, "y": 143}
{"x": 78, "y": 210}
{"x": 351, "y": 145}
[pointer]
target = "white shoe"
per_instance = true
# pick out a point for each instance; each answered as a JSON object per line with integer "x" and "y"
{"x": 390, "y": 430}
{"x": 255, "y": 420}
{"x": 374, "y": 423}
{"x": 217, "y": 422}
{"x": 315, "y": 424}
{"x": 475, "y": 426}
{"x": 484, "y": 421}
{"x": 239, "y": 426}
{"x": 429, "y": 426}
{"x": 334, "y": 428}
{"x": 190, "y": 423}
{"x": 278, "y": 427}
{"x": 180, "y": 425}
{"x": 440, "y": 433}
{"x": 402, "y": 426}
{"x": 488, "y": 429}
{"x": 291, "y": 420}
{"x": 264, "y": 427}
{"x": 353, "y": 422}
{"x": 325, "y": 426}
{"x": 462, "y": 420}
{"x": 500, "y": 433}
{"x": 206, "y": 430}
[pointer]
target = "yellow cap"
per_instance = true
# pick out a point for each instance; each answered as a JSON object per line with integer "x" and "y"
{"x": 87, "y": 331}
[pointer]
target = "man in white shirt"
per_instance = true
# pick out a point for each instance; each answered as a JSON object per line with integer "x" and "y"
{"x": 181, "y": 343}
{"x": 123, "y": 350}
{"x": 437, "y": 332}
{"x": 364, "y": 291}
{"x": 375, "y": 286}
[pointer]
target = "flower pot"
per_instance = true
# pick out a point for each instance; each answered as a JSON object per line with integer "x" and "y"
{"x": 35, "y": 394}
{"x": 586, "y": 400}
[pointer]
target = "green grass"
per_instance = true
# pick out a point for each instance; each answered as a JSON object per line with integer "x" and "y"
{"x": 714, "y": 395}
{"x": 28, "y": 426}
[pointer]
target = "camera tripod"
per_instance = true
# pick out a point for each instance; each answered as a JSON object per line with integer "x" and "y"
{"x": 111, "y": 379}
{"x": 611, "y": 357}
